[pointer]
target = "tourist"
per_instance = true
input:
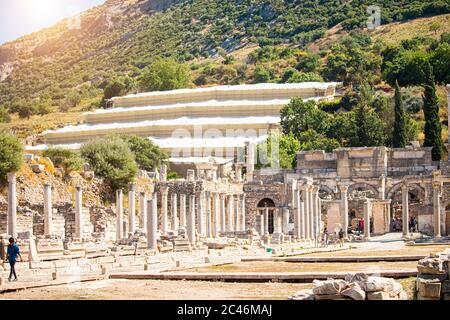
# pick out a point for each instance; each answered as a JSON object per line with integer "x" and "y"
{"x": 392, "y": 227}
{"x": 12, "y": 253}
{"x": 341, "y": 238}
{"x": 413, "y": 224}
{"x": 325, "y": 237}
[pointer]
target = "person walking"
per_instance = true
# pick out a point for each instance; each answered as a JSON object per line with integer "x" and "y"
{"x": 341, "y": 238}
{"x": 325, "y": 237}
{"x": 13, "y": 252}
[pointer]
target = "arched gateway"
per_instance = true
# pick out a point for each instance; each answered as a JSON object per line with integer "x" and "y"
{"x": 265, "y": 217}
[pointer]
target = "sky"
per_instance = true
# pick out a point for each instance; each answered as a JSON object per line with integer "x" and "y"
{"x": 22, "y": 17}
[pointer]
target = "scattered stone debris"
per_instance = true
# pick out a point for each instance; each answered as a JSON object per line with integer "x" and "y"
{"x": 433, "y": 281}
{"x": 359, "y": 286}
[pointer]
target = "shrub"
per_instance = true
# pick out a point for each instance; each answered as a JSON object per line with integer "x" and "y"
{"x": 66, "y": 159}
{"x": 111, "y": 159}
{"x": 148, "y": 155}
{"x": 4, "y": 115}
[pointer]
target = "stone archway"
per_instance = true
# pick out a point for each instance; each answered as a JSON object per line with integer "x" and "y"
{"x": 362, "y": 191}
{"x": 326, "y": 193}
{"x": 266, "y": 212}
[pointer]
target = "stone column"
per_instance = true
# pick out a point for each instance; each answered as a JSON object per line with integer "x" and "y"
{"x": 79, "y": 212}
{"x": 266, "y": 220}
{"x": 297, "y": 215}
{"x": 311, "y": 213}
{"x": 437, "y": 210}
{"x": 119, "y": 214}
{"x": 182, "y": 211}
{"x": 230, "y": 211}
{"x": 344, "y": 209}
{"x": 191, "y": 221}
{"x": 12, "y": 205}
{"x": 285, "y": 228}
{"x": 367, "y": 209}
{"x": 132, "y": 208}
{"x": 174, "y": 207}
{"x": 277, "y": 221}
{"x": 209, "y": 225}
{"x": 261, "y": 225}
{"x": 243, "y": 219}
{"x": 216, "y": 215}
{"x": 48, "y": 210}
{"x": 201, "y": 214}
{"x": 222, "y": 213}
{"x": 237, "y": 214}
{"x": 143, "y": 210}
{"x": 152, "y": 222}
{"x": 405, "y": 210}
{"x": 306, "y": 212}
{"x": 315, "y": 195}
{"x": 163, "y": 173}
{"x": 164, "y": 213}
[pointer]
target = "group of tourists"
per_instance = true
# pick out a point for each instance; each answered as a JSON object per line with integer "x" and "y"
{"x": 397, "y": 224}
{"x": 326, "y": 236}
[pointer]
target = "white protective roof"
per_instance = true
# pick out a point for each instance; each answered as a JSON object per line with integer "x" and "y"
{"x": 243, "y": 87}
{"x": 183, "y": 121}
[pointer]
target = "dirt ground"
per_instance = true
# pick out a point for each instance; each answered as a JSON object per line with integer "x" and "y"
{"x": 380, "y": 252}
{"x": 370, "y": 267}
{"x": 157, "y": 290}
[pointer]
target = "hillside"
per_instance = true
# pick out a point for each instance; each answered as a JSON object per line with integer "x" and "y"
{"x": 123, "y": 37}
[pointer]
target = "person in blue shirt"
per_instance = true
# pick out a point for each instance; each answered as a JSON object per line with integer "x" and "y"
{"x": 12, "y": 253}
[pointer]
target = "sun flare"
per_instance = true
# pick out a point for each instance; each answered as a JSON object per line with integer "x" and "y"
{"x": 40, "y": 10}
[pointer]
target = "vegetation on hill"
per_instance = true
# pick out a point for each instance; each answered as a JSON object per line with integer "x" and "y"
{"x": 48, "y": 78}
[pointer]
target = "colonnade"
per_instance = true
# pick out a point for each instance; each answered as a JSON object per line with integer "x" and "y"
{"x": 307, "y": 211}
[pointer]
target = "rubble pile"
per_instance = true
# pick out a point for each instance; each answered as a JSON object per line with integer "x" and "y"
{"x": 433, "y": 281}
{"x": 359, "y": 286}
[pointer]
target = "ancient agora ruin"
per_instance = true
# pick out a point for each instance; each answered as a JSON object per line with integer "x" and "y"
{"x": 225, "y": 211}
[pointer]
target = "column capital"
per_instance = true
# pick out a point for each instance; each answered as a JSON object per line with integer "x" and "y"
{"x": 405, "y": 186}
{"x": 47, "y": 184}
{"x": 132, "y": 186}
{"x": 315, "y": 189}
{"x": 164, "y": 190}
{"x": 304, "y": 187}
{"x": 343, "y": 188}
{"x": 12, "y": 177}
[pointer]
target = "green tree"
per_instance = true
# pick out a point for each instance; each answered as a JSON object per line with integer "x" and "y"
{"x": 11, "y": 155}
{"x": 165, "y": 74}
{"x": 311, "y": 140}
{"x": 433, "y": 137}
{"x": 148, "y": 155}
{"x": 111, "y": 159}
{"x": 300, "y": 116}
{"x": 399, "y": 132}
{"x": 370, "y": 129}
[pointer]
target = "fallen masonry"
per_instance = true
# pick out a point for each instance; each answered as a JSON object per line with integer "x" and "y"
{"x": 359, "y": 286}
{"x": 433, "y": 280}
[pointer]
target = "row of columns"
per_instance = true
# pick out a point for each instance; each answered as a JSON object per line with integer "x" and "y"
{"x": 307, "y": 211}
{"x": 208, "y": 213}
